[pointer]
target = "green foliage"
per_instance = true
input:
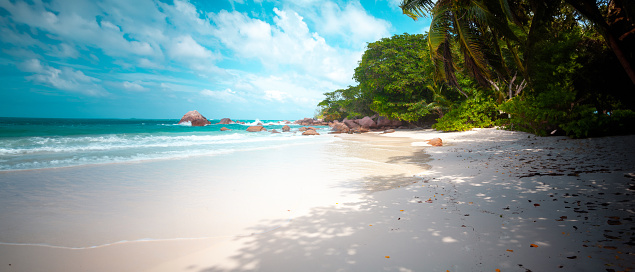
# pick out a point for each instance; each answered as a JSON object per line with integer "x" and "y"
{"x": 393, "y": 75}
{"x": 343, "y": 103}
{"x": 395, "y": 72}
{"x": 555, "y": 113}
{"x": 540, "y": 114}
{"x": 476, "y": 112}
{"x": 588, "y": 122}
{"x": 549, "y": 69}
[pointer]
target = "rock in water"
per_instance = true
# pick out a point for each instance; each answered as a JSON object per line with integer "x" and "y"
{"x": 256, "y": 128}
{"x": 310, "y": 132}
{"x": 286, "y": 128}
{"x": 226, "y": 121}
{"x": 224, "y": 129}
{"x": 195, "y": 118}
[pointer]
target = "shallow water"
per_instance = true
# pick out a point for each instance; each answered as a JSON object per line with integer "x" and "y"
{"x": 27, "y": 143}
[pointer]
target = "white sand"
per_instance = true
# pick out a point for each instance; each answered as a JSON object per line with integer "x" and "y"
{"x": 473, "y": 209}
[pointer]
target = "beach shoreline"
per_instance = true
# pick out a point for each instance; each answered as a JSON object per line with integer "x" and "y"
{"x": 488, "y": 199}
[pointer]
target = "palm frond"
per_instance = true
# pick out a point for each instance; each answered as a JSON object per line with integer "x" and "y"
{"x": 471, "y": 48}
{"x": 416, "y": 8}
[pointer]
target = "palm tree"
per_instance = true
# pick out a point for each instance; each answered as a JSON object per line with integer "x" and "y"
{"x": 477, "y": 28}
{"x": 472, "y": 23}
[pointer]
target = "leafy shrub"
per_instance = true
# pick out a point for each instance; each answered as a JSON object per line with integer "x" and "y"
{"x": 555, "y": 111}
{"x": 587, "y": 122}
{"x": 477, "y": 112}
{"x": 540, "y": 114}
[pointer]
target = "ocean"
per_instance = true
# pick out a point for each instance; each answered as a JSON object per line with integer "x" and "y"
{"x": 35, "y": 143}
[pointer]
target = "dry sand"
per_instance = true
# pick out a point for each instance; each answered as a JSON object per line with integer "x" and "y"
{"x": 486, "y": 200}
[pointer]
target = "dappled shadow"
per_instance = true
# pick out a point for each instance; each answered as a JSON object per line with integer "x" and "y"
{"x": 380, "y": 233}
{"x": 480, "y": 209}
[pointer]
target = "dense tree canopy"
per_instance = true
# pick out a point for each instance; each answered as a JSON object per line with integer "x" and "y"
{"x": 548, "y": 67}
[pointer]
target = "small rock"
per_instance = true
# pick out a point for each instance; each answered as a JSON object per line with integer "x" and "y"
{"x": 310, "y": 132}
{"x": 224, "y": 129}
{"x": 435, "y": 142}
{"x": 256, "y": 128}
{"x": 225, "y": 121}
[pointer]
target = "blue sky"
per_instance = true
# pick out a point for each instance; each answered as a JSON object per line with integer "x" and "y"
{"x": 159, "y": 59}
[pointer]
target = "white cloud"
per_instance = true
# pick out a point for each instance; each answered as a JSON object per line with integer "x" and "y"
{"x": 226, "y": 95}
{"x": 66, "y": 78}
{"x": 352, "y": 23}
{"x": 134, "y": 86}
{"x": 186, "y": 47}
{"x": 146, "y": 63}
{"x": 287, "y": 42}
{"x": 275, "y": 95}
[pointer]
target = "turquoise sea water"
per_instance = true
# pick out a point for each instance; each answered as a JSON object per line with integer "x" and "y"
{"x": 35, "y": 143}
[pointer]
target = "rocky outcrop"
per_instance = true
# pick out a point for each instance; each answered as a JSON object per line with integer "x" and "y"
{"x": 224, "y": 129}
{"x": 225, "y": 121}
{"x": 195, "y": 118}
{"x": 274, "y": 131}
{"x": 310, "y": 132}
{"x": 351, "y": 124}
{"x": 286, "y": 128}
{"x": 435, "y": 142}
{"x": 338, "y": 127}
{"x": 256, "y": 128}
{"x": 384, "y": 122}
{"x": 366, "y": 122}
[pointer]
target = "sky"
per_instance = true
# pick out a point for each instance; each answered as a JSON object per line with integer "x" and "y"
{"x": 241, "y": 59}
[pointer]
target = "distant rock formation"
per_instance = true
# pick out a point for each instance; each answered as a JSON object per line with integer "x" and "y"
{"x": 310, "y": 122}
{"x": 256, "y": 128}
{"x": 286, "y": 128}
{"x": 195, "y": 118}
{"x": 225, "y": 121}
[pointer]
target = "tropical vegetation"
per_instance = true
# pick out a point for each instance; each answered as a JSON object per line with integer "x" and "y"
{"x": 544, "y": 66}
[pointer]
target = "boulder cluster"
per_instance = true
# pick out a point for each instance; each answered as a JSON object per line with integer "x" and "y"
{"x": 366, "y": 124}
